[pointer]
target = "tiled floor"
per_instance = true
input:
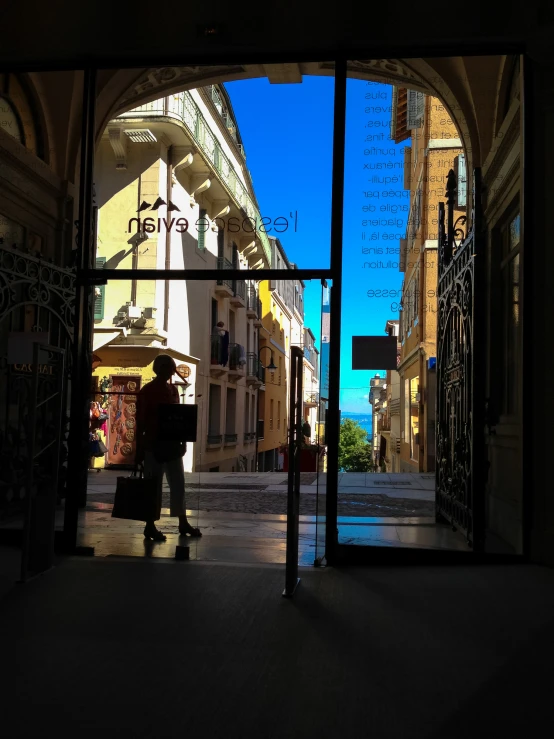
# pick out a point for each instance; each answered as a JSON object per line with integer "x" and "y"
{"x": 260, "y": 537}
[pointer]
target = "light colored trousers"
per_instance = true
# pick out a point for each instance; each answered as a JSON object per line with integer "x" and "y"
{"x": 175, "y": 479}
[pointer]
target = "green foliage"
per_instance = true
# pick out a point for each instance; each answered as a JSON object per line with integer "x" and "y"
{"x": 354, "y": 448}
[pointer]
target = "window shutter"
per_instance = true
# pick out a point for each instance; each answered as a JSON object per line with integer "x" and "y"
{"x": 202, "y": 223}
{"x": 99, "y": 293}
{"x": 393, "y": 118}
{"x": 461, "y": 176}
{"x": 407, "y": 167}
{"x": 418, "y": 209}
{"x": 415, "y": 109}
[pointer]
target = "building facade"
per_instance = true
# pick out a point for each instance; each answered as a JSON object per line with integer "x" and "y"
{"x": 388, "y": 421}
{"x": 161, "y": 204}
{"x": 435, "y": 150}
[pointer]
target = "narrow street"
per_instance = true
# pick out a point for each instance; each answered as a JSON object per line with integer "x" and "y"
{"x": 360, "y": 494}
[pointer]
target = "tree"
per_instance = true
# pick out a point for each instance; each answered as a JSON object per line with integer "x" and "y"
{"x": 361, "y": 459}
{"x": 354, "y": 449}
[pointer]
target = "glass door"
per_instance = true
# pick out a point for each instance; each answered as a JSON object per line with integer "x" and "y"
{"x": 322, "y": 400}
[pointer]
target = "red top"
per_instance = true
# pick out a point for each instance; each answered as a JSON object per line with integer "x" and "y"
{"x": 153, "y": 394}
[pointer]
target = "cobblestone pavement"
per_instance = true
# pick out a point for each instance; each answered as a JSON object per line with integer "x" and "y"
{"x": 254, "y": 500}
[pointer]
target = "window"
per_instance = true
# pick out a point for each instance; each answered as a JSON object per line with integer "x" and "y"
{"x": 99, "y": 293}
{"x": 10, "y": 120}
{"x": 214, "y": 312}
{"x": 415, "y": 109}
{"x": 220, "y": 242}
{"x": 271, "y": 413}
{"x": 279, "y": 412}
{"x": 461, "y": 179}
{"x": 202, "y": 228}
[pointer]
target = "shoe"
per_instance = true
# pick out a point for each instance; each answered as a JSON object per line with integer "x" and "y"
{"x": 191, "y": 530}
{"x": 154, "y": 534}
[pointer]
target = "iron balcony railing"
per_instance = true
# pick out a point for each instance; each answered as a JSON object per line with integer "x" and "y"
{"x": 311, "y": 397}
{"x": 237, "y": 357}
{"x": 215, "y": 438}
{"x": 237, "y": 286}
{"x": 182, "y": 107}
{"x": 216, "y": 350}
{"x": 383, "y": 424}
{"x": 252, "y": 298}
{"x": 254, "y": 366}
{"x": 224, "y": 264}
{"x": 231, "y": 438}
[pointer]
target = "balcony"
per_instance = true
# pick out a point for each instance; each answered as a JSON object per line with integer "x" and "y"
{"x": 237, "y": 362}
{"x": 394, "y": 406}
{"x": 383, "y": 424}
{"x": 311, "y": 399}
{"x": 224, "y": 287}
{"x": 260, "y": 429}
{"x": 218, "y": 358}
{"x": 258, "y": 317}
{"x": 251, "y": 302}
{"x": 255, "y": 372}
{"x": 182, "y": 108}
{"x": 214, "y": 441}
{"x": 249, "y": 436}
{"x": 231, "y": 439}
{"x": 238, "y": 298}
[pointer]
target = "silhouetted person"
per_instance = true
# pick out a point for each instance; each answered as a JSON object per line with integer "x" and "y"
{"x": 161, "y": 391}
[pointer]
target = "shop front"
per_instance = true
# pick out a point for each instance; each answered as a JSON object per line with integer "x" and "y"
{"x": 119, "y": 372}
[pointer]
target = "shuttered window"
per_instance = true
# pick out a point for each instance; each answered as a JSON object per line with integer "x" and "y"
{"x": 415, "y": 109}
{"x": 99, "y": 293}
{"x": 202, "y": 228}
{"x": 461, "y": 177}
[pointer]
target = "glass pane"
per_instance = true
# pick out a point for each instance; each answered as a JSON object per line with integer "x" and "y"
{"x": 204, "y": 170}
{"x": 401, "y": 143}
{"x": 233, "y": 362}
{"x": 323, "y": 404}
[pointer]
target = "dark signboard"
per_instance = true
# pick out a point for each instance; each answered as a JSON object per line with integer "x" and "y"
{"x": 374, "y": 352}
{"x": 177, "y": 422}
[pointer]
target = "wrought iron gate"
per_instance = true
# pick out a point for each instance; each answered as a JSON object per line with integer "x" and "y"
{"x": 459, "y": 483}
{"x": 35, "y": 297}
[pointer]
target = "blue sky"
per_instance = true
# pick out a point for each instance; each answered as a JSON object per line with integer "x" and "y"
{"x": 287, "y": 131}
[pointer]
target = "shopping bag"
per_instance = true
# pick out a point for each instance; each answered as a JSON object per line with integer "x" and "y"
{"x": 137, "y": 498}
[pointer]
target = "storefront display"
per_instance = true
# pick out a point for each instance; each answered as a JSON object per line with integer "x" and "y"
{"x": 122, "y": 419}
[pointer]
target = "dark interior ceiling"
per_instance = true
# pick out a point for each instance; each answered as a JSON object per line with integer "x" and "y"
{"x": 65, "y": 33}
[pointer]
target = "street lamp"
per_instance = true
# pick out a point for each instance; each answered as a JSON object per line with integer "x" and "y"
{"x": 271, "y": 367}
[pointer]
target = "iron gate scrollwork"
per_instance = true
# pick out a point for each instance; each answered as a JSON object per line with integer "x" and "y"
{"x": 36, "y": 297}
{"x": 459, "y": 444}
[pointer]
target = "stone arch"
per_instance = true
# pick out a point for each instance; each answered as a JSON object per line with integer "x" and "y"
{"x": 124, "y": 90}
{"x": 21, "y": 94}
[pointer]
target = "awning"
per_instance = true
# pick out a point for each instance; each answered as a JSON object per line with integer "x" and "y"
{"x": 101, "y": 338}
{"x": 154, "y": 347}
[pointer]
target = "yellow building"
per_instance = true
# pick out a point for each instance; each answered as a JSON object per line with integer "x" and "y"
{"x": 435, "y": 149}
{"x": 272, "y": 401}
